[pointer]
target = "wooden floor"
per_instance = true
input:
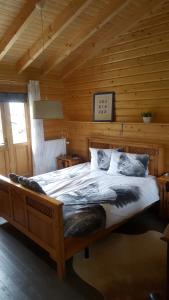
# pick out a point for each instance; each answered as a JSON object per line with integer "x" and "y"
{"x": 26, "y": 272}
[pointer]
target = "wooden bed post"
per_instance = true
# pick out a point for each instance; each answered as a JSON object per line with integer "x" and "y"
{"x": 61, "y": 269}
{"x": 59, "y": 241}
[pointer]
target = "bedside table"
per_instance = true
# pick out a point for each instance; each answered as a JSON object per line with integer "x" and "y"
{"x": 163, "y": 183}
{"x": 67, "y": 161}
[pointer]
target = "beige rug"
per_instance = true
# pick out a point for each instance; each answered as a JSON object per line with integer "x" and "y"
{"x": 126, "y": 267}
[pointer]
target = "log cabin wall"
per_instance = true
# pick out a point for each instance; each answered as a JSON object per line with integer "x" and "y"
{"x": 10, "y": 81}
{"x": 52, "y": 89}
{"x": 136, "y": 68}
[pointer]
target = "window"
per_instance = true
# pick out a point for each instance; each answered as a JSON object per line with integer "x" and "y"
{"x": 1, "y": 131}
{"x": 18, "y": 122}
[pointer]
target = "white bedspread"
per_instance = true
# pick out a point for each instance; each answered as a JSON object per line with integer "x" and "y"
{"x": 66, "y": 181}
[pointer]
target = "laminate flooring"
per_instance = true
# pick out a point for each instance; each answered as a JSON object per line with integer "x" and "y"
{"x": 27, "y": 273}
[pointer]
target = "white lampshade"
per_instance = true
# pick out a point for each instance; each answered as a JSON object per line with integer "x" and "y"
{"x": 44, "y": 109}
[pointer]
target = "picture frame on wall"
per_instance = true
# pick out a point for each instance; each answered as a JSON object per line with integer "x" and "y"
{"x": 103, "y": 107}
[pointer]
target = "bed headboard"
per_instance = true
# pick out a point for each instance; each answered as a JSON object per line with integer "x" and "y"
{"x": 155, "y": 151}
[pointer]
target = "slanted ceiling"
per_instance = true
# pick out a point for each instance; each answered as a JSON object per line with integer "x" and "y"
{"x": 74, "y": 32}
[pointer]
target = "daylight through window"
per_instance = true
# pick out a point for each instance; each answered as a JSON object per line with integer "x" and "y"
{"x": 1, "y": 131}
{"x": 18, "y": 123}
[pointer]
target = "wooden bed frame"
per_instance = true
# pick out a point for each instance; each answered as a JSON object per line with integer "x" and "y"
{"x": 40, "y": 217}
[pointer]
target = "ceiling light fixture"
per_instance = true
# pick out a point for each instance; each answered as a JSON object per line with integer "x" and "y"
{"x": 45, "y": 109}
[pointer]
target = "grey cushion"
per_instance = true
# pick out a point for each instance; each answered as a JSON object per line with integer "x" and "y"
{"x": 14, "y": 177}
{"x": 26, "y": 182}
{"x": 31, "y": 184}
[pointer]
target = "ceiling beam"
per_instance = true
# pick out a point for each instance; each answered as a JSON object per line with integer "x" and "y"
{"x": 16, "y": 27}
{"x": 86, "y": 32}
{"x": 62, "y": 21}
{"x": 122, "y": 22}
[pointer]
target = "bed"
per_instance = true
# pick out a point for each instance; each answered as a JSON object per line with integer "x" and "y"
{"x": 40, "y": 217}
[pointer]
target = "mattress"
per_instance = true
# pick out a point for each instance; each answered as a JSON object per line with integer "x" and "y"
{"x": 94, "y": 200}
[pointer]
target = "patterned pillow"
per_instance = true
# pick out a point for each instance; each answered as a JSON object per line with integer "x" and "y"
{"x": 31, "y": 184}
{"x": 128, "y": 164}
{"x": 27, "y": 182}
{"x": 100, "y": 158}
{"x": 14, "y": 177}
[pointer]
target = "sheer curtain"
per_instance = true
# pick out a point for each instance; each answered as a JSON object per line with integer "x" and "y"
{"x": 44, "y": 153}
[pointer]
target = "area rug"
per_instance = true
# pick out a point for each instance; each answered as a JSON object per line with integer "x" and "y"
{"x": 125, "y": 267}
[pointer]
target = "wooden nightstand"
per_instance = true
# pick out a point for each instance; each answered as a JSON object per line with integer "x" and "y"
{"x": 67, "y": 161}
{"x": 163, "y": 182}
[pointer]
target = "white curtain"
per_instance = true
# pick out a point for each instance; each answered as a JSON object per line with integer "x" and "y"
{"x": 44, "y": 152}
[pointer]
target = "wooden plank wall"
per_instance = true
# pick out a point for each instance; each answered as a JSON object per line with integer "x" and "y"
{"x": 10, "y": 81}
{"x": 50, "y": 87}
{"x": 137, "y": 69}
{"x": 77, "y": 133}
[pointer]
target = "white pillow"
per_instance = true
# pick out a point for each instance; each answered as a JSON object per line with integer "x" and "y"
{"x": 100, "y": 158}
{"x": 128, "y": 164}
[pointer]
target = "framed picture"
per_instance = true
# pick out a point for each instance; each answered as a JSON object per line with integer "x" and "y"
{"x": 103, "y": 107}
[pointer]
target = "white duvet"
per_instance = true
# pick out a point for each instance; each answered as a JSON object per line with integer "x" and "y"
{"x": 67, "y": 181}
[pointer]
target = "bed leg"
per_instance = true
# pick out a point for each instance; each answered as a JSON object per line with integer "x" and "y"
{"x": 61, "y": 269}
{"x": 86, "y": 252}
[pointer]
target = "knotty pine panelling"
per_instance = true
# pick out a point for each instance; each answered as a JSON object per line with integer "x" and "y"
{"x": 10, "y": 81}
{"x": 77, "y": 133}
{"x": 50, "y": 87}
{"x": 137, "y": 69}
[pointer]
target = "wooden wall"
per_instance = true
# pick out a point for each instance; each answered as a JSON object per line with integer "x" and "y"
{"x": 77, "y": 133}
{"x": 10, "y": 81}
{"x": 52, "y": 89}
{"x": 137, "y": 69}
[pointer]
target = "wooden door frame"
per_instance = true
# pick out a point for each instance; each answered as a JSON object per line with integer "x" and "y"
{"x": 29, "y": 140}
{"x": 10, "y": 148}
{"x": 5, "y": 146}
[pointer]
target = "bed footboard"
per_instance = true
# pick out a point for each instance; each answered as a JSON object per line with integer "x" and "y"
{"x": 39, "y": 217}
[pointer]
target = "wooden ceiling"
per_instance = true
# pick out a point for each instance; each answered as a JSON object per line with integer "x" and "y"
{"x": 72, "y": 32}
